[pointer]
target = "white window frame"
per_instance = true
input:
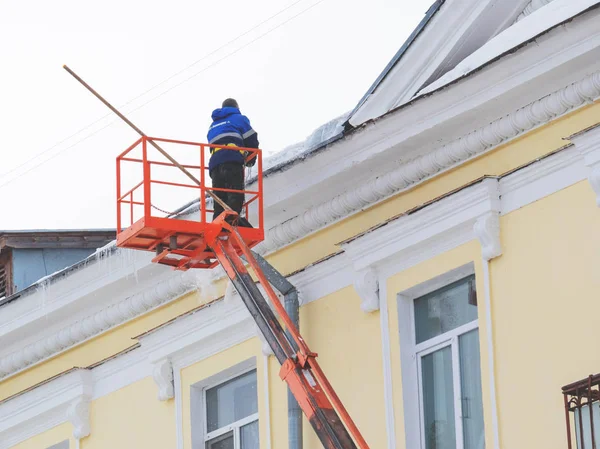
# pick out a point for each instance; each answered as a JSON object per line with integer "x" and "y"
{"x": 411, "y": 354}
{"x": 62, "y": 445}
{"x": 448, "y": 339}
{"x": 200, "y": 434}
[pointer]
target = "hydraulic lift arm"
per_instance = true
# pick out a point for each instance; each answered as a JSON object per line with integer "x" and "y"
{"x": 299, "y": 367}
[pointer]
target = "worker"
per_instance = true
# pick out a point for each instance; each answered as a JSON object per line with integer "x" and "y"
{"x": 226, "y": 166}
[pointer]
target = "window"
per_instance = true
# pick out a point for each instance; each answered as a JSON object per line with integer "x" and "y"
{"x": 446, "y": 349}
{"x": 231, "y": 414}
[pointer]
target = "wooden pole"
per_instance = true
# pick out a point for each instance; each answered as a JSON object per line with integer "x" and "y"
{"x": 141, "y": 133}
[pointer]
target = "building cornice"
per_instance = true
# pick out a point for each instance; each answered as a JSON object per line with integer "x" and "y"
{"x": 63, "y": 399}
{"x": 532, "y": 7}
{"x": 106, "y": 318}
{"x": 465, "y": 215}
{"x": 587, "y": 143}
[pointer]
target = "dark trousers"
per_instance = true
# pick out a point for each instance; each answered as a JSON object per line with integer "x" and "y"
{"x": 229, "y": 175}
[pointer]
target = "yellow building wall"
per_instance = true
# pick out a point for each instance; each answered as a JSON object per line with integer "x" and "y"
{"x": 348, "y": 342}
{"x": 131, "y": 417}
{"x": 545, "y": 307}
{"x": 533, "y": 290}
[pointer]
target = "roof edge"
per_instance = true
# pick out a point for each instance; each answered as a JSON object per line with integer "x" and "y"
{"x": 433, "y": 9}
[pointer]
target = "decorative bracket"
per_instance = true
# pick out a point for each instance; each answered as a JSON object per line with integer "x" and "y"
{"x": 487, "y": 231}
{"x": 587, "y": 143}
{"x": 163, "y": 376}
{"x": 79, "y": 415}
{"x": 366, "y": 284}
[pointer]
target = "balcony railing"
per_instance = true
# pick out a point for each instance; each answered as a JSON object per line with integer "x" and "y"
{"x": 582, "y": 411}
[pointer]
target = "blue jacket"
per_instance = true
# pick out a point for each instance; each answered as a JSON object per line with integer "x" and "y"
{"x": 230, "y": 126}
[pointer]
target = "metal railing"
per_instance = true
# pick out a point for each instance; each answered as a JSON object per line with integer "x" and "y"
{"x": 132, "y": 202}
{"x": 582, "y": 412}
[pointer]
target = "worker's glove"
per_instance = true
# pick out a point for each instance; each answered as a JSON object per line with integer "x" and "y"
{"x": 251, "y": 162}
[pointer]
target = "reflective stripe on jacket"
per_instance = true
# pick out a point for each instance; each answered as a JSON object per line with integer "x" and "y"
{"x": 230, "y": 127}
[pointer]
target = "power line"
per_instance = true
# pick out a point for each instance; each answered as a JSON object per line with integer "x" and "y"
{"x": 56, "y": 154}
{"x": 157, "y": 85}
{"x": 227, "y": 56}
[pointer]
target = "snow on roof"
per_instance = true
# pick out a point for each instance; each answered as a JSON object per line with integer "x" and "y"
{"x": 320, "y": 137}
{"x": 531, "y": 26}
{"x": 531, "y": 7}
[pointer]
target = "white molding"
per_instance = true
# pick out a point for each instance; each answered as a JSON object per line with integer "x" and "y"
{"x": 82, "y": 330}
{"x": 541, "y": 179}
{"x": 163, "y": 377}
{"x": 322, "y": 279}
{"x": 200, "y": 334}
{"x": 587, "y": 143}
{"x": 487, "y": 231}
{"x": 531, "y": 7}
{"x": 178, "y": 408}
{"x": 62, "y": 399}
{"x": 388, "y": 379}
{"x": 366, "y": 284}
{"x": 434, "y": 229}
{"x": 78, "y": 414}
{"x": 491, "y": 352}
{"x": 120, "y": 371}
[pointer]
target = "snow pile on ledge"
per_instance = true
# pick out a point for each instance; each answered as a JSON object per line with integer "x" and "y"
{"x": 299, "y": 150}
{"x": 526, "y": 29}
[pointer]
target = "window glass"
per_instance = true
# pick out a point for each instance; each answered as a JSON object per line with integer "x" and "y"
{"x": 445, "y": 309}
{"x": 231, "y": 401}
{"x": 438, "y": 400}
{"x": 249, "y": 436}
{"x": 470, "y": 381}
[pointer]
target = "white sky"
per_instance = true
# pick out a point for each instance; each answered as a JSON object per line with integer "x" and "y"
{"x": 290, "y": 81}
